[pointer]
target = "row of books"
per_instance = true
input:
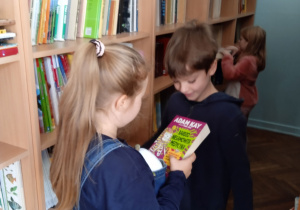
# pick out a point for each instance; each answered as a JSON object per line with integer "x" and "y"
{"x": 58, "y": 20}
{"x": 11, "y": 187}
{"x": 170, "y": 11}
{"x": 7, "y": 48}
{"x": 50, "y": 78}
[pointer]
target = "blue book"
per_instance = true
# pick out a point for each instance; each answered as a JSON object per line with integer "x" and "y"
{"x": 63, "y": 72}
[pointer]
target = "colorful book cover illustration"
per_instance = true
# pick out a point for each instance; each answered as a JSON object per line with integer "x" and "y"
{"x": 12, "y": 184}
{"x": 180, "y": 139}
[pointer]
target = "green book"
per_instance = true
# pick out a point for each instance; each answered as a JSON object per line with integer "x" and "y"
{"x": 92, "y": 19}
{"x": 44, "y": 95}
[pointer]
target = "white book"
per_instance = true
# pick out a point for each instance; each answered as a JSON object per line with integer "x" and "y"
{"x": 50, "y": 197}
{"x": 52, "y": 90}
{"x": 81, "y": 18}
{"x": 106, "y": 12}
{"x": 7, "y": 35}
{"x": 11, "y": 178}
{"x": 35, "y": 19}
{"x": 60, "y": 22}
{"x": 135, "y": 15}
{"x": 72, "y": 15}
{"x": 157, "y": 12}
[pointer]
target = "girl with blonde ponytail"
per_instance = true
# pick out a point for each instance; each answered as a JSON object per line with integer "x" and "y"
{"x": 91, "y": 167}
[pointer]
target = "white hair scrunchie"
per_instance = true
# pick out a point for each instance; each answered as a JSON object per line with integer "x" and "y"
{"x": 99, "y": 47}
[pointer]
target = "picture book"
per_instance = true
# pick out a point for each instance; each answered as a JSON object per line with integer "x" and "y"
{"x": 12, "y": 187}
{"x": 180, "y": 138}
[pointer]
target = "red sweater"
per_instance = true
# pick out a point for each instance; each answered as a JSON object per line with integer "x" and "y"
{"x": 245, "y": 72}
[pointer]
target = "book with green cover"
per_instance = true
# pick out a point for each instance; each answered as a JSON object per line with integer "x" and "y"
{"x": 44, "y": 96}
{"x": 92, "y": 19}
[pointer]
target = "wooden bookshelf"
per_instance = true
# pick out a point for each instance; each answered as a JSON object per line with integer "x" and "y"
{"x": 7, "y": 22}
{"x": 10, "y": 154}
{"x": 20, "y": 138}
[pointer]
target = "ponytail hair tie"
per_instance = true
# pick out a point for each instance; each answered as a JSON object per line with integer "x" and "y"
{"x": 99, "y": 47}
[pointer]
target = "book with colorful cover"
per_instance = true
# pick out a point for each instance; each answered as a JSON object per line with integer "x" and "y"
{"x": 62, "y": 70}
{"x": 12, "y": 185}
{"x": 180, "y": 138}
{"x": 52, "y": 89}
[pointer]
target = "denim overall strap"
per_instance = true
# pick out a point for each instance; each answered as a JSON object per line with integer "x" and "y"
{"x": 96, "y": 155}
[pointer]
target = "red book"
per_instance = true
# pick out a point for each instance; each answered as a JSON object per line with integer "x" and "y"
{"x": 8, "y": 50}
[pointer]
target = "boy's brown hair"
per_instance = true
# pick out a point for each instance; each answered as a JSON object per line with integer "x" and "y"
{"x": 192, "y": 45}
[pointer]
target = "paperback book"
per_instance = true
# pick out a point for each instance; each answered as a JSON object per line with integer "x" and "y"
{"x": 180, "y": 138}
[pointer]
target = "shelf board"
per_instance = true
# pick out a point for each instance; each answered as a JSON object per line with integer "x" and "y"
{"x": 61, "y": 47}
{"x": 9, "y": 59}
{"x": 167, "y": 29}
{"x": 10, "y": 154}
{"x": 7, "y": 22}
{"x": 242, "y": 15}
{"x": 220, "y": 20}
{"x": 161, "y": 83}
{"x": 48, "y": 139}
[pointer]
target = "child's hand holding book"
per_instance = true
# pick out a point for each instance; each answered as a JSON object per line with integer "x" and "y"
{"x": 184, "y": 165}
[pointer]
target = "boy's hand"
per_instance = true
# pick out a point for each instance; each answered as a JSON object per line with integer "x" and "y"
{"x": 184, "y": 165}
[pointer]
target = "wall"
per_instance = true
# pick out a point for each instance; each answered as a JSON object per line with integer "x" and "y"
{"x": 278, "y": 85}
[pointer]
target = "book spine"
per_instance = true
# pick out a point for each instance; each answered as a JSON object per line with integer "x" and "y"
{"x": 42, "y": 22}
{"x": 38, "y": 96}
{"x": 41, "y": 78}
{"x": 91, "y": 25}
{"x": 52, "y": 89}
{"x": 8, "y": 51}
{"x": 62, "y": 70}
{"x": 60, "y": 23}
{"x": 55, "y": 76}
{"x": 108, "y": 16}
{"x": 46, "y": 27}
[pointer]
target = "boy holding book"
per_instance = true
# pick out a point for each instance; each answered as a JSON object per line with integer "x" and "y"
{"x": 222, "y": 163}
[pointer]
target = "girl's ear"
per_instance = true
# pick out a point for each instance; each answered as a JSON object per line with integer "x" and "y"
{"x": 122, "y": 103}
{"x": 213, "y": 68}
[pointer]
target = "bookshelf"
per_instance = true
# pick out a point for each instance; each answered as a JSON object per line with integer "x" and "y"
{"x": 20, "y": 138}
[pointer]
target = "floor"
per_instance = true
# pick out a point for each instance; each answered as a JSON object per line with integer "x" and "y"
{"x": 275, "y": 169}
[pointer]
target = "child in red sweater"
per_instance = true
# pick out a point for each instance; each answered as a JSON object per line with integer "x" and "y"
{"x": 242, "y": 65}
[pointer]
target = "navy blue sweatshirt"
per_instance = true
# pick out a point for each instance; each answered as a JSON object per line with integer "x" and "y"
{"x": 123, "y": 180}
{"x": 222, "y": 163}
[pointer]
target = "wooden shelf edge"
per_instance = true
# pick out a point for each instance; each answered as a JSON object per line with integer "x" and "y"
{"x": 7, "y": 22}
{"x": 68, "y": 46}
{"x": 220, "y": 20}
{"x": 48, "y": 139}
{"x": 161, "y": 83}
{"x": 9, "y": 59}
{"x": 167, "y": 28}
{"x": 10, "y": 154}
{"x": 242, "y": 15}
